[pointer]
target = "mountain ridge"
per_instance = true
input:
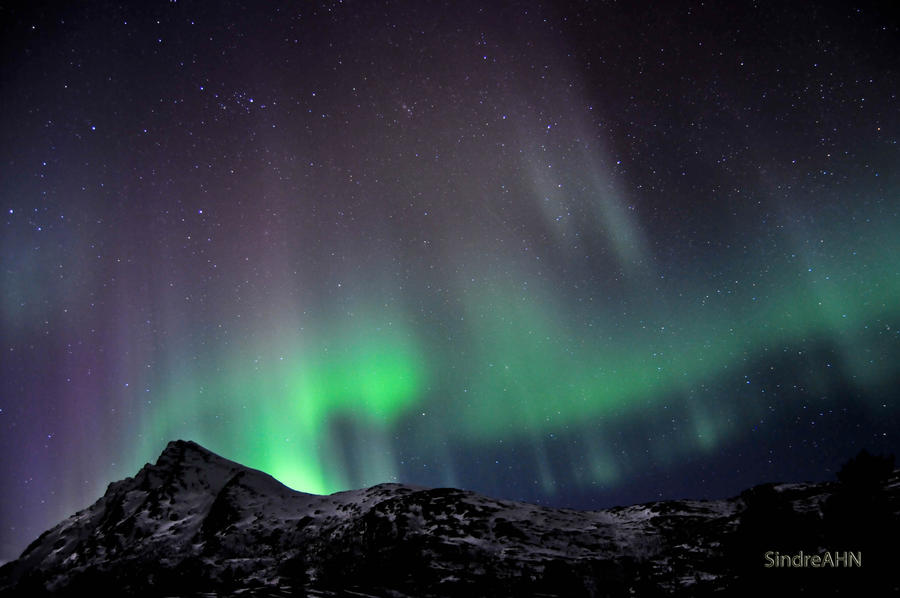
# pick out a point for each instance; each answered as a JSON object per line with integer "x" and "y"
{"x": 196, "y": 522}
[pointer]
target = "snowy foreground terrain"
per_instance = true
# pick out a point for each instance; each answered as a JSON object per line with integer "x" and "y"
{"x": 195, "y": 524}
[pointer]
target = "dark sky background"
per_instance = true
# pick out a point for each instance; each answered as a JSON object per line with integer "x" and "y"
{"x": 578, "y": 254}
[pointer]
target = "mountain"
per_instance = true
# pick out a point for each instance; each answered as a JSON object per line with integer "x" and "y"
{"x": 196, "y": 524}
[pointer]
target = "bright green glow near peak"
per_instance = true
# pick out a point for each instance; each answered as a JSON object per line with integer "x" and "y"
{"x": 276, "y": 411}
{"x": 293, "y": 473}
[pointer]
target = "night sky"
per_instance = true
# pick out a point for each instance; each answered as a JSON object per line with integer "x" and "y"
{"x": 574, "y": 254}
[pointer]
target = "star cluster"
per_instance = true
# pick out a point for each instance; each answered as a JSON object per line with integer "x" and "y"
{"x": 579, "y": 254}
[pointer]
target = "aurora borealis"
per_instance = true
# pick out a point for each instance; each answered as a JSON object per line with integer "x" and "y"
{"x": 575, "y": 254}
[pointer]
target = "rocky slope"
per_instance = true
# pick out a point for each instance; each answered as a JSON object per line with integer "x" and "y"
{"x": 195, "y": 524}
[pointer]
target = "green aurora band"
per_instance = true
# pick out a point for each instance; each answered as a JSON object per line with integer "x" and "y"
{"x": 535, "y": 365}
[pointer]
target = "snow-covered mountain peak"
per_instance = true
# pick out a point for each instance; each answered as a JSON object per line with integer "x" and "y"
{"x": 195, "y": 523}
